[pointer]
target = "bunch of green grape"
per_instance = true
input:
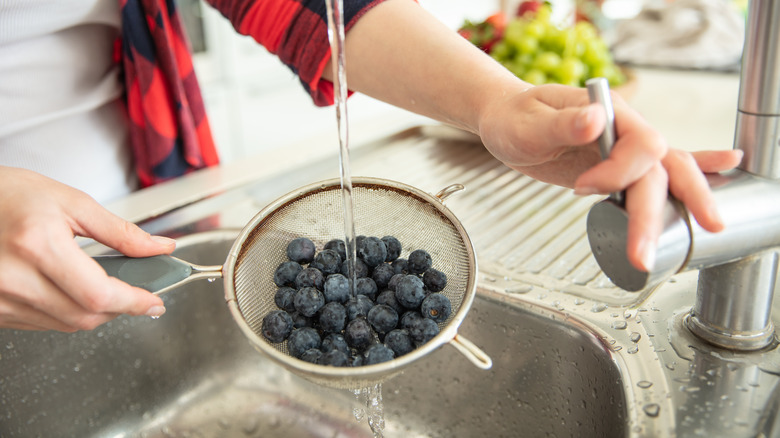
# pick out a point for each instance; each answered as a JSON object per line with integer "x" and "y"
{"x": 539, "y": 52}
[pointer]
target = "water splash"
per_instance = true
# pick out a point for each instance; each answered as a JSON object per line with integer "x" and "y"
{"x": 373, "y": 408}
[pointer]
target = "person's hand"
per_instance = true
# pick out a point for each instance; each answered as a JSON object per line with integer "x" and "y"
{"x": 46, "y": 281}
{"x": 549, "y": 132}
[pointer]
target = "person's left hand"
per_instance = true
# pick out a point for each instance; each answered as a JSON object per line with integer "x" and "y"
{"x": 549, "y": 132}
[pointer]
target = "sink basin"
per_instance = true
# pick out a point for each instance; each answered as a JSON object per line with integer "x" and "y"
{"x": 193, "y": 374}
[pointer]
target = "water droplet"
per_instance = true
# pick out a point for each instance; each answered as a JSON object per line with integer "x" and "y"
{"x": 652, "y": 409}
{"x": 670, "y": 366}
{"x": 211, "y": 280}
{"x": 619, "y": 325}
{"x": 9, "y": 346}
{"x": 598, "y": 307}
{"x": 521, "y": 289}
{"x": 633, "y": 349}
{"x": 579, "y": 301}
{"x": 644, "y": 384}
{"x": 635, "y": 337}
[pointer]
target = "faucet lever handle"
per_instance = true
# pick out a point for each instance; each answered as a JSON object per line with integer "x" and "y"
{"x": 598, "y": 92}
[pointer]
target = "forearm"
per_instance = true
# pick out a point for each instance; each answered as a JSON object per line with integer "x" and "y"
{"x": 402, "y": 55}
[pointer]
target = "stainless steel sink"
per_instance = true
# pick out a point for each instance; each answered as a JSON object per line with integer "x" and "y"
{"x": 193, "y": 374}
{"x": 573, "y": 355}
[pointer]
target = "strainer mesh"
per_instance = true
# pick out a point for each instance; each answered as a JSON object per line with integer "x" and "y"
{"x": 379, "y": 211}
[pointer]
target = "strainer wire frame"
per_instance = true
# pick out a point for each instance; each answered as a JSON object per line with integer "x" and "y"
{"x": 361, "y": 376}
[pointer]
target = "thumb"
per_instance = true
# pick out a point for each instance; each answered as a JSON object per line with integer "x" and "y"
{"x": 576, "y": 126}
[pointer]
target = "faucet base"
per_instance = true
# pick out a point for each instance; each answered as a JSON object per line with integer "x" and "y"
{"x": 745, "y": 341}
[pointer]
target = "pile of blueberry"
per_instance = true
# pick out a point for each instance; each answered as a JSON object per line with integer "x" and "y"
{"x": 396, "y": 307}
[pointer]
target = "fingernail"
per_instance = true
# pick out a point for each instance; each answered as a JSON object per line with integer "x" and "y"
{"x": 647, "y": 255}
{"x": 163, "y": 240}
{"x": 155, "y": 311}
{"x": 583, "y": 118}
{"x": 585, "y": 190}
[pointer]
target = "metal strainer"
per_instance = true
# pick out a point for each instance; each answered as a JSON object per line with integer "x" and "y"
{"x": 381, "y": 207}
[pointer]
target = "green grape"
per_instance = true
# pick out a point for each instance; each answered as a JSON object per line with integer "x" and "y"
{"x": 596, "y": 54}
{"x": 535, "y": 29}
{"x": 535, "y": 77}
{"x": 502, "y": 50}
{"x": 528, "y": 45}
{"x": 547, "y": 62}
{"x": 515, "y": 31}
{"x": 571, "y": 70}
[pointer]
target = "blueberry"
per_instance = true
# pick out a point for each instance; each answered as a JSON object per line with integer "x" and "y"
{"x": 359, "y": 240}
{"x": 373, "y": 251}
{"x": 388, "y": 297}
{"x": 300, "y": 320}
{"x": 382, "y": 275}
{"x": 436, "y": 306}
{"x": 335, "y": 341}
{"x": 358, "y": 306}
{"x": 301, "y": 340}
{"x": 358, "y": 333}
{"x": 393, "y": 283}
{"x": 423, "y": 330}
{"x": 309, "y": 277}
{"x": 409, "y": 291}
{"x": 328, "y": 261}
{"x": 338, "y": 246}
{"x": 400, "y": 266}
{"x": 393, "y": 246}
{"x": 356, "y": 360}
{"x": 286, "y": 273}
{"x": 312, "y": 355}
{"x": 366, "y": 286}
{"x": 383, "y": 318}
{"x": 336, "y": 288}
{"x": 335, "y": 358}
{"x": 434, "y": 280}
{"x": 399, "y": 341}
{"x": 361, "y": 269}
{"x": 301, "y": 250}
{"x": 283, "y": 298}
{"x": 308, "y": 301}
{"x": 333, "y": 317}
{"x": 277, "y": 326}
{"x": 378, "y": 353}
{"x": 419, "y": 261}
{"x": 408, "y": 318}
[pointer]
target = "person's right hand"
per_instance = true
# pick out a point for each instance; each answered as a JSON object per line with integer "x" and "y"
{"x": 47, "y": 282}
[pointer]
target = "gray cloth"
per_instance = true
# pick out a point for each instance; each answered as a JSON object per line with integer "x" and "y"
{"x": 701, "y": 34}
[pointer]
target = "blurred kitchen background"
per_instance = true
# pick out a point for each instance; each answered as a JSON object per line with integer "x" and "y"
{"x": 257, "y": 105}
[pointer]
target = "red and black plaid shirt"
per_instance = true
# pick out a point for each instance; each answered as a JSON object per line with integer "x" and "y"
{"x": 169, "y": 131}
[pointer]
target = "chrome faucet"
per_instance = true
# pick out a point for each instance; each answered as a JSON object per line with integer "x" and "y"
{"x": 738, "y": 267}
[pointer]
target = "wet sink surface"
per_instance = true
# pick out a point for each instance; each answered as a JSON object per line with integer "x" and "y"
{"x": 192, "y": 373}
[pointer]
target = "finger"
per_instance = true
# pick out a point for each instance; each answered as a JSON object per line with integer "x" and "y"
{"x": 92, "y": 220}
{"x": 637, "y": 149}
{"x": 717, "y": 161}
{"x": 32, "y": 298}
{"x": 645, "y": 203}
{"x": 688, "y": 184}
{"x": 82, "y": 279}
{"x": 17, "y": 315}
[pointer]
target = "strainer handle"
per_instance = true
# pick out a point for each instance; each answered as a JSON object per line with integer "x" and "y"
{"x": 472, "y": 352}
{"x": 157, "y": 274}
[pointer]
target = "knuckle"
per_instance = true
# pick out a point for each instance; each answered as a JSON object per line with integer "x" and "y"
{"x": 96, "y": 302}
{"x": 89, "y": 322}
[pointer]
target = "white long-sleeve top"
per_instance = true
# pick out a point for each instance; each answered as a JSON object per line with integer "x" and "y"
{"x": 61, "y": 110}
